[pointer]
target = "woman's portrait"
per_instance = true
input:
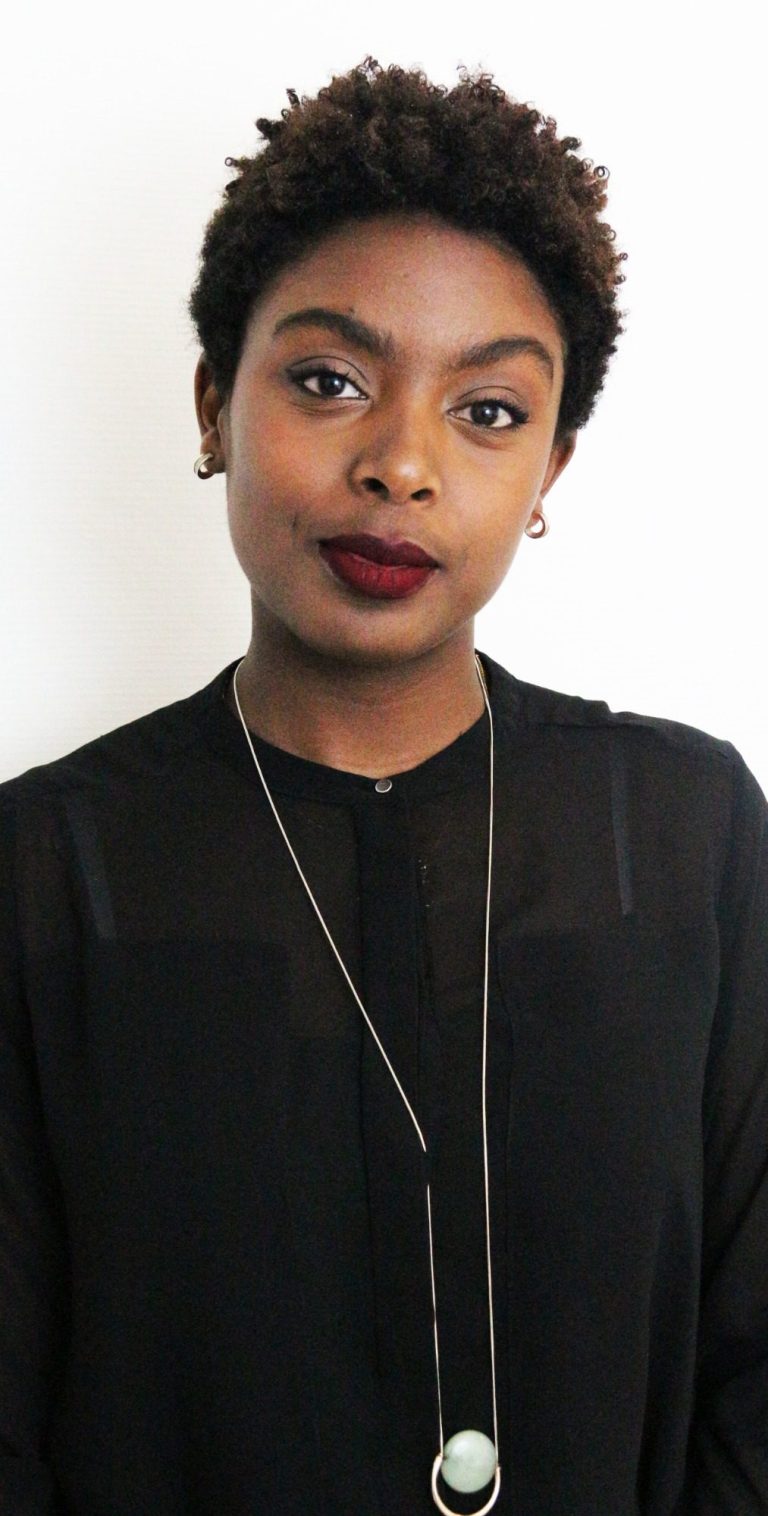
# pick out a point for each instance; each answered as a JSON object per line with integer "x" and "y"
{"x": 384, "y": 946}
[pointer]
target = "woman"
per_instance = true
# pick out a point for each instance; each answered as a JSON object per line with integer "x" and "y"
{"x": 385, "y": 1047}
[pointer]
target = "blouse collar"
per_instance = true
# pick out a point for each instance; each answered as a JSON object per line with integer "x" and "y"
{"x": 454, "y": 766}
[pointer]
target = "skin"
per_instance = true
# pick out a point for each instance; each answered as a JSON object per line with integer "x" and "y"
{"x": 401, "y": 450}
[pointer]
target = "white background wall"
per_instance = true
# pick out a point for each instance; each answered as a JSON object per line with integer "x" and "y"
{"x": 119, "y": 588}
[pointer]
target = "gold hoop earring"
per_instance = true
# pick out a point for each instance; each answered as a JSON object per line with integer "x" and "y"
{"x": 198, "y": 465}
{"x": 544, "y": 525}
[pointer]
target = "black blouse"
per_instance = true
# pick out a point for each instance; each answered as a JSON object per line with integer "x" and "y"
{"x": 215, "y": 1294}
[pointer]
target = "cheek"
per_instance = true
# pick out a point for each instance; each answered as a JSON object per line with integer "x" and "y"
{"x": 261, "y": 506}
{"x": 254, "y": 526}
{"x": 507, "y": 544}
{"x": 268, "y": 527}
{"x": 493, "y": 550}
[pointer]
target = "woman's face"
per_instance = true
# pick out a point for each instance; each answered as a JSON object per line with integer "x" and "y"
{"x": 358, "y": 408}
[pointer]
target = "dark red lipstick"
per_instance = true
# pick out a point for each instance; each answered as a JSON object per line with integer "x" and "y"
{"x": 376, "y": 566}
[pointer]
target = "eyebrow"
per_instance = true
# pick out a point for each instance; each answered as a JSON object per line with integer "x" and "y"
{"x": 382, "y": 345}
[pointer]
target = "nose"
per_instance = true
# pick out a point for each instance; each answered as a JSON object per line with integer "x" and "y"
{"x": 397, "y": 461}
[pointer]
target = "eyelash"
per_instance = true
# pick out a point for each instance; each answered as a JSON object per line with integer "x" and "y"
{"x": 518, "y": 416}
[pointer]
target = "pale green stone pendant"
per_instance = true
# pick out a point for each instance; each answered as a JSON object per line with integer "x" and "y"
{"x": 467, "y": 1463}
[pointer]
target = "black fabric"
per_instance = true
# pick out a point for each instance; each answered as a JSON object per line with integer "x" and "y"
{"x": 215, "y": 1296}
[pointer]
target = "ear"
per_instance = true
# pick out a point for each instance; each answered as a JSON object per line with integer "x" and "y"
{"x": 560, "y": 455}
{"x": 208, "y": 405}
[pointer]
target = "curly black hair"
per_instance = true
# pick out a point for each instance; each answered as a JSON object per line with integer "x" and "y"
{"x": 386, "y": 139}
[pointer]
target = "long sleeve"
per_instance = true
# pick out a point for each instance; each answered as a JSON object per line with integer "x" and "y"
{"x": 728, "y": 1448}
{"x": 32, "y": 1238}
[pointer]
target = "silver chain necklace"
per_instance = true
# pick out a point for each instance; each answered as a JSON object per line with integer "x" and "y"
{"x": 469, "y": 1459}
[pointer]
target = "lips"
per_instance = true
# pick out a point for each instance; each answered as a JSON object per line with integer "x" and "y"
{"x": 379, "y": 550}
{"x": 372, "y": 578}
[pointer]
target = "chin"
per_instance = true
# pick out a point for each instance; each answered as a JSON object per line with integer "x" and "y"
{"x": 373, "y": 647}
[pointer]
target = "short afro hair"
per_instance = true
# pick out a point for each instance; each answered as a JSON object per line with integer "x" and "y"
{"x": 377, "y": 140}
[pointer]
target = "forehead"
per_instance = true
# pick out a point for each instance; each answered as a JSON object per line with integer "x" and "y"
{"x": 425, "y": 281}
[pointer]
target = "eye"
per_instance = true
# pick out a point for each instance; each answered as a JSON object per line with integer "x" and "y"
{"x": 481, "y": 409}
{"x": 332, "y": 382}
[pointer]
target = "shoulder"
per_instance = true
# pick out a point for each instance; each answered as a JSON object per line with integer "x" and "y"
{"x": 536, "y": 706}
{"x": 676, "y": 776}
{"x": 147, "y": 747}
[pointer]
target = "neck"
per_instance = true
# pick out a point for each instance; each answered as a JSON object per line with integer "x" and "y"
{"x": 372, "y": 720}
